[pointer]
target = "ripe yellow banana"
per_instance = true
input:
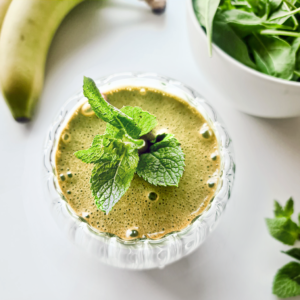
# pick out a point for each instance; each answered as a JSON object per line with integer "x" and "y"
{"x": 26, "y": 35}
{"x": 4, "y": 4}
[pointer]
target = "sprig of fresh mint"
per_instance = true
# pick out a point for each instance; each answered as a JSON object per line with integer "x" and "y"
{"x": 287, "y": 279}
{"x": 282, "y": 227}
{"x": 115, "y": 154}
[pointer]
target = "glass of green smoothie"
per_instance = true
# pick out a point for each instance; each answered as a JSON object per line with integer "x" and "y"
{"x": 138, "y": 169}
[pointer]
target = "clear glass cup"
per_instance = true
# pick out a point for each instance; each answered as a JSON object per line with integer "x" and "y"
{"x": 143, "y": 253}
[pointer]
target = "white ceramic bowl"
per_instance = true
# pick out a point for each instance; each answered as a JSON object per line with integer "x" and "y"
{"x": 247, "y": 90}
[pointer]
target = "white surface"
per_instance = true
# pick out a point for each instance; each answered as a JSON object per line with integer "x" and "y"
{"x": 237, "y": 261}
{"x": 266, "y": 96}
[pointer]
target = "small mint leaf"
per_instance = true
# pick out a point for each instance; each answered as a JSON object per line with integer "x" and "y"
{"x": 278, "y": 210}
{"x": 289, "y": 208}
{"x": 287, "y": 281}
{"x": 287, "y": 211}
{"x": 144, "y": 120}
{"x": 111, "y": 178}
{"x": 93, "y": 154}
{"x": 163, "y": 136}
{"x": 107, "y": 112}
{"x": 283, "y": 229}
{"x": 121, "y": 135}
{"x": 294, "y": 252}
{"x": 164, "y": 164}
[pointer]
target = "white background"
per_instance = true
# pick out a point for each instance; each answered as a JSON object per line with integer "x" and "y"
{"x": 238, "y": 260}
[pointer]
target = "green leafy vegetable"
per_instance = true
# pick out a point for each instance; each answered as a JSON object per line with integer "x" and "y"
{"x": 258, "y": 33}
{"x": 111, "y": 178}
{"x": 205, "y": 11}
{"x": 283, "y": 229}
{"x": 164, "y": 164}
{"x": 286, "y": 14}
{"x": 94, "y": 154}
{"x": 242, "y": 22}
{"x": 259, "y": 7}
{"x": 115, "y": 154}
{"x": 294, "y": 252}
{"x": 107, "y": 112}
{"x": 145, "y": 121}
{"x": 281, "y": 16}
{"x": 287, "y": 281}
{"x": 237, "y": 47}
{"x": 273, "y": 56}
{"x": 287, "y": 211}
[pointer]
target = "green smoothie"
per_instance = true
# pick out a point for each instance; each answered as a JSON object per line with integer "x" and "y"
{"x": 145, "y": 211}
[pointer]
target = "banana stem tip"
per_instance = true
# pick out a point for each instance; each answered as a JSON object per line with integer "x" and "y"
{"x": 22, "y": 120}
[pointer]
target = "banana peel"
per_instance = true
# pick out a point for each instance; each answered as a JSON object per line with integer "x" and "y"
{"x": 4, "y": 5}
{"x": 27, "y": 33}
{"x": 25, "y": 39}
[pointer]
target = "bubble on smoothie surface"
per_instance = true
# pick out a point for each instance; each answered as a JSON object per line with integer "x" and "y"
{"x": 205, "y": 131}
{"x": 152, "y": 196}
{"x": 132, "y": 233}
{"x": 214, "y": 156}
{"x": 175, "y": 207}
{"x": 143, "y": 91}
{"x": 66, "y": 137}
{"x": 86, "y": 110}
{"x": 211, "y": 184}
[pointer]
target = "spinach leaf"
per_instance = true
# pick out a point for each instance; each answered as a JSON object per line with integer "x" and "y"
{"x": 259, "y": 7}
{"x": 226, "y": 5}
{"x": 242, "y": 22}
{"x": 273, "y": 56}
{"x": 281, "y": 18}
{"x": 283, "y": 13}
{"x": 297, "y": 64}
{"x": 274, "y": 4}
{"x": 205, "y": 11}
{"x": 236, "y": 48}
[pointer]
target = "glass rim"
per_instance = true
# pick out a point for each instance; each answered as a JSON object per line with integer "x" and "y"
{"x": 227, "y": 170}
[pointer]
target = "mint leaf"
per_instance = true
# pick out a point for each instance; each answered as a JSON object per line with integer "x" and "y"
{"x": 287, "y": 211}
{"x": 111, "y": 178}
{"x": 287, "y": 281}
{"x": 283, "y": 229}
{"x": 144, "y": 120}
{"x": 278, "y": 211}
{"x": 107, "y": 112}
{"x": 289, "y": 208}
{"x": 164, "y": 164}
{"x": 294, "y": 252}
{"x": 163, "y": 136}
{"x": 93, "y": 154}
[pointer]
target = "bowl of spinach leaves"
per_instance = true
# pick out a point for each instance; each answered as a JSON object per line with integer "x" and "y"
{"x": 250, "y": 52}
